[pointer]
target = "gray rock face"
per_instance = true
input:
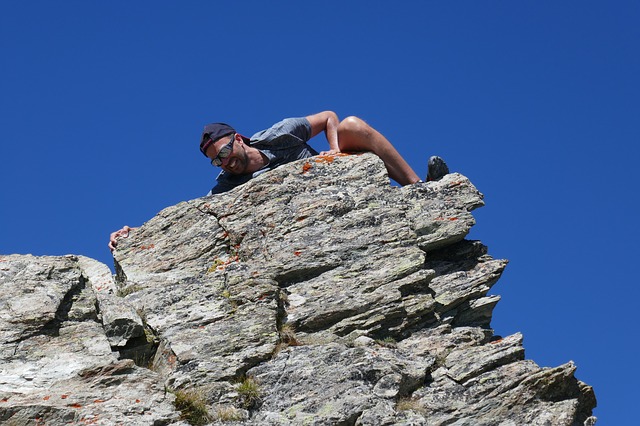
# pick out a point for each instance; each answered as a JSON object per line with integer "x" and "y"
{"x": 314, "y": 294}
{"x": 57, "y": 362}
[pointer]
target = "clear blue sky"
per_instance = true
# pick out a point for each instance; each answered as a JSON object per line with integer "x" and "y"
{"x": 537, "y": 102}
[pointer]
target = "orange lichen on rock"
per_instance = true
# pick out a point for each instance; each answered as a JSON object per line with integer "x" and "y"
{"x": 171, "y": 360}
{"x": 221, "y": 265}
{"x": 325, "y": 158}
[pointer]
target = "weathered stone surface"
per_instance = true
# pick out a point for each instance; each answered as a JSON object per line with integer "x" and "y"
{"x": 120, "y": 320}
{"x": 56, "y": 363}
{"x": 361, "y": 379}
{"x": 314, "y": 294}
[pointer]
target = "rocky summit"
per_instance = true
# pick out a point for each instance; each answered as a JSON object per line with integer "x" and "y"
{"x": 315, "y": 294}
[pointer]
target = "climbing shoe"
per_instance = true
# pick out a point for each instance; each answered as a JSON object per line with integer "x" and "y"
{"x": 437, "y": 168}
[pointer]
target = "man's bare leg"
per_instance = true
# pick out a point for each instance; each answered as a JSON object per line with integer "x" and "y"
{"x": 356, "y": 135}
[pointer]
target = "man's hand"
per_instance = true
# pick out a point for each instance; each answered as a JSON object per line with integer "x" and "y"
{"x": 113, "y": 239}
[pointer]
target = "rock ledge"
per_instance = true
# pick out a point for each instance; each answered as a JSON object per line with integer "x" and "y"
{"x": 314, "y": 294}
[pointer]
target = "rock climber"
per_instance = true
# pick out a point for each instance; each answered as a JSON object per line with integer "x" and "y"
{"x": 242, "y": 158}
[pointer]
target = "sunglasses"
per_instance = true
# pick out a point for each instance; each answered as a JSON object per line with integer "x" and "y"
{"x": 225, "y": 151}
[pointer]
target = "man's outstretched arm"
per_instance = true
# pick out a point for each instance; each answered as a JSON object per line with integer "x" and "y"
{"x": 328, "y": 122}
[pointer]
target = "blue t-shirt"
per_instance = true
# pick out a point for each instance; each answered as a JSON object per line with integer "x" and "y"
{"x": 282, "y": 143}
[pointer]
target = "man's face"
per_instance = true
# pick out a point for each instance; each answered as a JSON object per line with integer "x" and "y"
{"x": 236, "y": 162}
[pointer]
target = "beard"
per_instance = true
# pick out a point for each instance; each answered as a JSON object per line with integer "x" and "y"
{"x": 237, "y": 162}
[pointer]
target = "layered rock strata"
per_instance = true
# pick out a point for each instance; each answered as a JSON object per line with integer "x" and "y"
{"x": 314, "y": 294}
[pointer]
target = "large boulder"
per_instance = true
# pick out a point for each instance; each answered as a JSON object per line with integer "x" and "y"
{"x": 314, "y": 294}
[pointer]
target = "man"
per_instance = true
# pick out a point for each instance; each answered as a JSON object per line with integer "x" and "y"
{"x": 242, "y": 159}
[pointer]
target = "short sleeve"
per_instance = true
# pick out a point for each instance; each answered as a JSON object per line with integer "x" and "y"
{"x": 286, "y": 133}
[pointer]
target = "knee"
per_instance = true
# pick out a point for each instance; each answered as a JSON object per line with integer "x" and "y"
{"x": 353, "y": 124}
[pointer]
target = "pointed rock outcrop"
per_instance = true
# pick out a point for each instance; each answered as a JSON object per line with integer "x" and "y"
{"x": 313, "y": 294}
